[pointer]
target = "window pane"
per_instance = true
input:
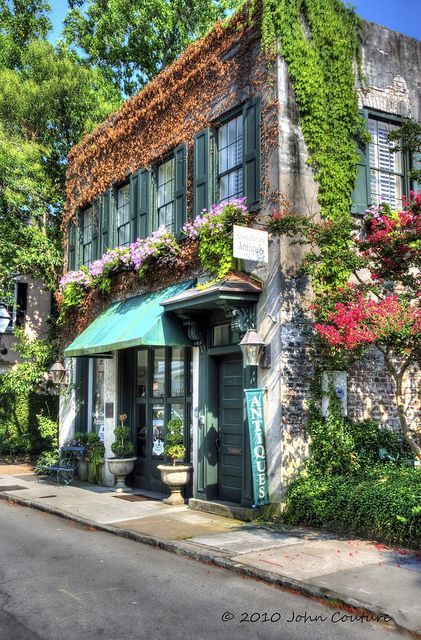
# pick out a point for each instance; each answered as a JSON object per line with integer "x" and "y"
{"x": 166, "y": 194}
{"x": 177, "y": 371}
{"x": 177, "y": 412}
{"x": 98, "y": 396}
{"x": 141, "y": 431}
{"x": 142, "y": 373}
{"x": 231, "y": 186}
{"x": 123, "y": 216}
{"x": 123, "y": 196}
{"x": 223, "y": 136}
{"x": 87, "y": 236}
{"x": 158, "y": 430}
{"x": 158, "y": 372}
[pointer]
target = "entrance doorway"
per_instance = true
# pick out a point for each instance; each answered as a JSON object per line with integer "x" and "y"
{"x": 155, "y": 386}
{"x": 230, "y": 440}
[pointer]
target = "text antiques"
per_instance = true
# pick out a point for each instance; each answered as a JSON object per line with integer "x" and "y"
{"x": 256, "y": 424}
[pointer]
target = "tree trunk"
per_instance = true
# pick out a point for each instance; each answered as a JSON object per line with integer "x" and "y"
{"x": 397, "y": 376}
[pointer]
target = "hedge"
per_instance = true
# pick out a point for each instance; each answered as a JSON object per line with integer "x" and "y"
{"x": 382, "y": 503}
{"x": 19, "y": 428}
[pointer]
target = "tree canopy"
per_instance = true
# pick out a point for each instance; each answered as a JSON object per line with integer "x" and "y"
{"x": 132, "y": 40}
{"x": 49, "y": 100}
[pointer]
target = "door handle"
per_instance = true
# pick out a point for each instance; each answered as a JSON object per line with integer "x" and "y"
{"x": 218, "y": 442}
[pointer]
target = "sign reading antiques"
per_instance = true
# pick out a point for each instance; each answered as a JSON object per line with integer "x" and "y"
{"x": 254, "y": 400}
{"x": 250, "y": 244}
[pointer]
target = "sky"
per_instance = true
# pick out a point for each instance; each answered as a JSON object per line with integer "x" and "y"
{"x": 399, "y": 15}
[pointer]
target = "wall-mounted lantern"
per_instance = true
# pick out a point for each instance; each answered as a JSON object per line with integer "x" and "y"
{"x": 255, "y": 351}
{"x": 5, "y": 318}
{"x": 58, "y": 373}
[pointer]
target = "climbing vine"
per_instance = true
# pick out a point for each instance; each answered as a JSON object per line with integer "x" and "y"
{"x": 319, "y": 41}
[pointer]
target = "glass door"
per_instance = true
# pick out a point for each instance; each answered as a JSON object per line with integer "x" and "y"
{"x": 163, "y": 391}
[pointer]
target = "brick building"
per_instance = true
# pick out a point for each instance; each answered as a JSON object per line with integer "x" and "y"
{"x": 219, "y": 123}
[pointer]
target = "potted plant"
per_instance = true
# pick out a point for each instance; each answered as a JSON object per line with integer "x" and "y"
{"x": 94, "y": 455}
{"x": 123, "y": 462}
{"x": 175, "y": 475}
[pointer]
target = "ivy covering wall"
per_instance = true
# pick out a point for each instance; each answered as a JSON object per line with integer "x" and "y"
{"x": 320, "y": 43}
{"x": 19, "y": 425}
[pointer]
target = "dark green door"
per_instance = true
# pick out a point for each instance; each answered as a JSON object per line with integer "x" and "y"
{"x": 231, "y": 425}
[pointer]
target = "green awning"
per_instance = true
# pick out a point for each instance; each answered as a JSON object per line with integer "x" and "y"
{"x": 140, "y": 320}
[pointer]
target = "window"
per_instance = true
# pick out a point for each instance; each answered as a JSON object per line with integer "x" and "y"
{"x": 90, "y": 395}
{"x": 18, "y": 305}
{"x": 386, "y": 167}
{"x": 123, "y": 215}
{"x": 86, "y": 229}
{"x": 230, "y": 159}
{"x": 226, "y": 162}
{"x": 166, "y": 194}
{"x": 381, "y": 173}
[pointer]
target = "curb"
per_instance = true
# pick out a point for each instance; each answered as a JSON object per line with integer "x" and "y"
{"x": 208, "y": 557}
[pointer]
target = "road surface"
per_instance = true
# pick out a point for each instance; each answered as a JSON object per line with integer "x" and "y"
{"x": 63, "y": 581}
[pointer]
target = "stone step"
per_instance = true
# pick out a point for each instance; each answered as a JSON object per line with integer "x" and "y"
{"x": 227, "y": 509}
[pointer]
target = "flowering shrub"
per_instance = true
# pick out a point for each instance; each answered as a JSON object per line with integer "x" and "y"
{"x": 384, "y": 311}
{"x": 213, "y": 230}
{"x": 393, "y": 241}
{"x": 363, "y": 321}
{"x": 159, "y": 248}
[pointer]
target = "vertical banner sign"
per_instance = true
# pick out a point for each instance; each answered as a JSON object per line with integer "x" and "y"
{"x": 254, "y": 401}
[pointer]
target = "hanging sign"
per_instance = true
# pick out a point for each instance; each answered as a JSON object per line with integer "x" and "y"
{"x": 250, "y": 244}
{"x": 256, "y": 422}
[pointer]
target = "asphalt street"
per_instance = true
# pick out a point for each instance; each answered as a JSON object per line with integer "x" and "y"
{"x": 62, "y": 581}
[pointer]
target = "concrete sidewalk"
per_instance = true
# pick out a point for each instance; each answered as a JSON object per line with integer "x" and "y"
{"x": 357, "y": 573}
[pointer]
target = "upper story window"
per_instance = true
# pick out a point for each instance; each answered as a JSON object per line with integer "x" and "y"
{"x": 226, "y": 160}
{"x": 123, "y": 215}
{"x": 86, "y": 229}
{"x": 382, "y": 174}
{"x": 165, "y": 184}
{"x": 230, "y": 159}
{"x": 386, "y": 167}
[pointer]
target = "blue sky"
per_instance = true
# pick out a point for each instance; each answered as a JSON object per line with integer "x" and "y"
{"x": 400, "y": 15}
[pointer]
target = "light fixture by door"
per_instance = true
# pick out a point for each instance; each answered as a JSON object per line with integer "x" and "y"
{"x": 255, "y": 351}
{"x": 58, "y": 373}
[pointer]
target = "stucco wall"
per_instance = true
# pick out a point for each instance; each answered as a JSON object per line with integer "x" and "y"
{"x": 35, "y": 326}
{"x": 392, "y": 68}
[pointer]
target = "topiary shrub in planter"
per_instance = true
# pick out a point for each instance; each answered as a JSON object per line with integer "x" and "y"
{"x": 175, "y": 476}
{"x": 123, "y": 462}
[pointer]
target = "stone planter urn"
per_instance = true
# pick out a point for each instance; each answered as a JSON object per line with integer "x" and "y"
{"x": 175, "y": 477}
{"x": 121, "y": 468}
{"x": 82, "y": 470}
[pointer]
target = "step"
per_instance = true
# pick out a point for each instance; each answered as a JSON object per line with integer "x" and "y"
{"x": 227, "y": 509}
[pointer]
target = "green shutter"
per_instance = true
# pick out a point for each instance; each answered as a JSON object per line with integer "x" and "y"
{"x": 180, "y": 187}
{"x": 251, "y": 162}
{"x": 105, "y": 222}
{"x": 96, "y": 213}
{"x": 71, "y": 246}
{"x": 201, "y": 172}
{"x": 79, "y": 239}
{"x": 112, "y": 220}
{"x": 144, "y": 222}
{"x": 416, "y": 166}
{"x": 134, "y": 204}
{"x": 361, "y": 195}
